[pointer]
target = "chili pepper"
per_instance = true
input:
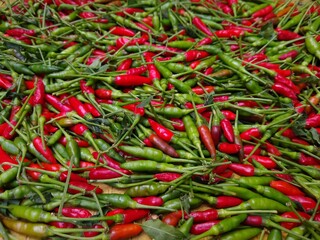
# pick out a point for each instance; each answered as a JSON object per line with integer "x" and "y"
{"x": 74, "y": 212}
{"x": 85, "y": 186}
{"x": 173, "y": 218}
{"x": 60, "y": 224}
{"x": 146, "y": 190}
{"x": 274, "y": 234}
{"x": 31, "y": 214}
{"x": 242, "y": 193}
{"x": 167, "y": 176}
{"x": 82, "y": 130}
{"x": 267, "y": 162}
{"x": 199, "y": 24}
{"x": 296, "y": 233}
{"x": 43, "y": 150}
{"x": 246, "y": 233}
{"x": 223, "y": 226}
{"x": 124, "y": 231}
{"x": 293, "y": 215}
{"x": 192, "y": 131}
{"x": 230, "y": 148}
{"x": 312, "y": 46}
{"x": 73, "y": 177}
{"x": 306, "y": 203}
{"x": 104, "y": 146}
{"x": 286, "y": 188}
{"x": 79, "y": 108}
{"x": 103, "y": 173}
{"x": 150, "y": 200}
{"x": 190, "y": 55}
{"x": 313, "y": 121}
{"x": 199, "y": 228}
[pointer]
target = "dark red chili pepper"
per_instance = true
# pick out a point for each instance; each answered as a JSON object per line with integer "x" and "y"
{"x": 249, "y": 148}
{"x": 242, "y": 169}
{"x": 227, "y": 201}
{"x": 167, "y": 176}
{"x": 124, "y": 65}
{"x": 5, "y": 158}
{"x": 62, "y": 224}
{"x": 178, "y": 124}
{"x": 80, "y": 142}
{"x": 307, "y": 203}
{"x": 293, "y": 215}
{"x": 163, "y": 146}
{"x": 199, "y": 228}
{"x": 198, "y": 23}
{"x": 272, "y": 149}
{"x": 4, "y": 83}
{"x": 89, "y": 234}
{"x": 229, "y": 148}
{"x": 131, "y": 215}
{"x": 110, "y": 162}
{"x": 131, "y": 80}
{"x": 79, "y": 107}
{"x": 286, "y": 35}
{"x": 286, "y": 188}
{"x": 150, "y": 200}
{"x": 291, "y": 54}
{"x": 92, "y": 109}
{"x": 204, "y": 216}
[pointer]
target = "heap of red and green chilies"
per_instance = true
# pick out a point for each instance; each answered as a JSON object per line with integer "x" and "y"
{"x": 179, "y": 104}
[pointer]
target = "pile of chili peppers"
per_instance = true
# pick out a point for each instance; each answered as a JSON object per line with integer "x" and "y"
{"x": 179, "y": 104}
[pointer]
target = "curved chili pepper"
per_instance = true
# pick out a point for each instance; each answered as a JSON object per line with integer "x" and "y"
{"x": 293, "y": 215}
{"x": 286, "y": 188}
{"x": 124, "y": 231}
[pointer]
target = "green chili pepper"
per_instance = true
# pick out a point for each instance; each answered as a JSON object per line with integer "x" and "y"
{"x": 151, "y": 189}
{"x": 223, "y": 226}
{"x": 275, "y": 234}
{"x": 8, "y": 176}
{"x": 31, "y": 214}
{"x": 243, "y": 234}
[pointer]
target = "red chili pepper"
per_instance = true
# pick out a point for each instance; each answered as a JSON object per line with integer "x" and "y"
{"x": 133, "y": 107}
{"x": 290, "y": 225}
{"x": 284, "y": 176}
{"x": 198, "y": 23}
{"x": 263, "y": 12}
{"x": 57, "y": 104}
{"x": 286, "y": 35}
{"x": 205, "y": 89}
{"x": 89, "y": 234}
{"x": 272, "y": 149}
{"x": 284, "y": 90}
{"x": 85, "y": 186}
{"x": 18, "y": 32}
{"x": 74, "y": 212}
{"x": 307, "y": 160}
{"x": 131, "y": 215}
{"x": 43, "y": 150}
{"x": 291, "y": 54}
{"x": 62, "y": 224}
{"x": 224, "y": 7}
{"x": 92, "y": 109}
{"x": 153, "y": 72}
{"x": 178, "y": 124}
{"x": 129, "y": 10}
{"x": 73, "y": 177}
{"x": 229, "y": 148}
{"x": 103, "y": 93}
{"x": 289, "y": 133}
{"x": 230, "y": 33}
{"x": 286, "y": 188}
{"x": 167, "y": 176}
{"x": 199, "y": 228}
{"x": 124, "y": 65}
{"x": 269, "y": 16}
{"x": 110, "y": 162}
{"x": 150, "y": 200}
{"x": 227, "y": 201}
{"x": 137, "y": 71}
{"x": 242, "y": 169}
{"x": 161, "y": 131}
{"x": 307, "y": 203}
{"x": 112, "y": 213}
{"x": 190, "y": 55}
{"x": 122, "y": 31}
{"x": 313, "y": 121}
{"x": 227, "y": 129}
{"x": 131, "y": 80}
{"x": 124, "y": 231}
{"x": 285, "y": 81}
{"x": 78, "y": 107}
{"x": 204, "y": 216}
{"x": 207, "y": 139}
{"x": 5, "y": 160}
{"x": 229, "y": 115}
{"x": 4, "y": 83}
{"x": 173, "y": 218}
{"x": 103, "y": 173}
{"x": 267, "y": 162}
{"x": 251, "y": 132}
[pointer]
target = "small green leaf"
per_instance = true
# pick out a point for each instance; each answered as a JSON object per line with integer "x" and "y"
{"x": 160, "y": 231}
{"x": 267, "y": 31}
{"x": 145, "y": 102}
{"x": 315, "y": 135}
